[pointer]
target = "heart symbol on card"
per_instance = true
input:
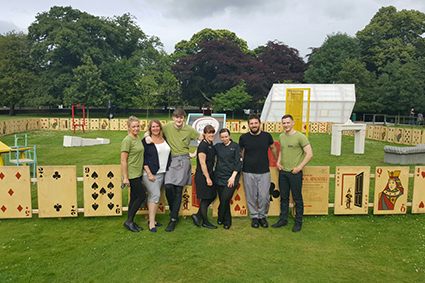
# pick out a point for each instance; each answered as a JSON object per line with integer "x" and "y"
{"x": 237, "y": 197}
{"x": 423, "y": 174}
{"x": 237, "y": 207}
{"x": 231, "y": 201}
{"x": 421, "y": 205}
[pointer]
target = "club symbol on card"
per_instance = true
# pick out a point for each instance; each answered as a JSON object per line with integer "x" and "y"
{"x": 110, "y": 175}
{"x": 95, "y": 195}
{"x": 110, "y": 206}
{"x": 56, "y": 175}
{"x": 110, "y": 185}
{"x": 95, "y": 206}
{"x": 273, "y": 193}
{"x": 110, "y": 195}
{"x": 102, "y": 191}
{"x": 94, "y": 186}
{"x": 73, "y": 210}
{"x": 57, "y": 207}
{"x": 94, "y": 175}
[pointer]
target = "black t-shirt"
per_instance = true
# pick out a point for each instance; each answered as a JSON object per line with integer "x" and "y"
{"x": 208, "y": 149}
{"x": 228, "y": 161}
{"x": 256, "y": 158}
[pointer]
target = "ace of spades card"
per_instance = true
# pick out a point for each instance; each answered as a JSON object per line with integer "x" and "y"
{"x": 57, "y": 191}
{"x": 352, "y": 190}
{"x": 102, "y": 190}
{"x": 418, "y": 201}
{"x": 391, "y": 188}
{"x": 15, "y": 192}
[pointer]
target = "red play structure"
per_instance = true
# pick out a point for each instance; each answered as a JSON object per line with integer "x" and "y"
{"x": 75, "y": 125}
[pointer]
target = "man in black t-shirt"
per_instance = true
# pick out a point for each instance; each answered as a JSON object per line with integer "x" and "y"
{"x": 256, "y": 173}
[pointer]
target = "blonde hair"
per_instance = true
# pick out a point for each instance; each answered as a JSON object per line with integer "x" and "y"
{"x": 156, "y": 122}
{"x": 130, "y": 120}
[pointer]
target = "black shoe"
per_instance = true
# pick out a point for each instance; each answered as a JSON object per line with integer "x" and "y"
{"x": 171, "y": 226}
{"x": 131, "y": 227}
{"x": 153, "y": 229}
{"x": 280, "y": 223}
{"x": 157, "y": 224}
{"x": 138, "y": 227}
{"x": 209, "y": 226}
{"x": 255, "y": 223}
{"x": 225, "y": 226}
{"x": 219, "y": 222}
{"x": 264, "y": 223}
{"x": 196, "y": 220}
{"x": 296, "y": 228}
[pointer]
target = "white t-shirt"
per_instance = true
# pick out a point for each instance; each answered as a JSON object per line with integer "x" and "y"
{"x": 163, "y": 153}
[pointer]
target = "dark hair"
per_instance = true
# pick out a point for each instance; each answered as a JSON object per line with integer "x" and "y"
{"x": 179, "y": 112}
{"x": 156, "y": 122}
{"x": 253, "y": 116}
{"x": 209, "y": 129}
{"x": 287, "y": 116}
{"x": 224, "y": 130}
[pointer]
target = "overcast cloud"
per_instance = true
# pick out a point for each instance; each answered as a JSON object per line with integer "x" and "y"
{"x": 298, "y": 23}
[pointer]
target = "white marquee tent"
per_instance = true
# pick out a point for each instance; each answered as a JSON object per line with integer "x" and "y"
{"x": 328, "y": 102}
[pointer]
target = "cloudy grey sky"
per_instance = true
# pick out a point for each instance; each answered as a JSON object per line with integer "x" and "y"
{"x": 298, "y": 23}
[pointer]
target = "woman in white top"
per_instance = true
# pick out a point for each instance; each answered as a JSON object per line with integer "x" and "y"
{"x": 156, "y": 162}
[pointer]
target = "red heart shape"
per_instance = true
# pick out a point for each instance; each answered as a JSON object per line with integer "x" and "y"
{"x": 423, "y": 174}
{"x": 421, "y": 205}
{"x": 237, "y": 197}
{"x": 237, "y": 208}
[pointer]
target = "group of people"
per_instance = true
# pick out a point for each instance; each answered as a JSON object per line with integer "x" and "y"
{"x": 162, "y": 157}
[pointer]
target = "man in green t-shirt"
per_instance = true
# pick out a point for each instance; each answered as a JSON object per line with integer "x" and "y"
{"x": 295, "y": 153}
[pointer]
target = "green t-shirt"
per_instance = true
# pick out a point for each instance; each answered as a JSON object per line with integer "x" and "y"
{"x": 179, "y": 140}
{"x": 135, "y": 150}
{"x": 292, "y": 153}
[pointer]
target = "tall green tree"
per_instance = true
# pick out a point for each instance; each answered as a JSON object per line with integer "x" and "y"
{"x": 392, "y": 36}
{"x": 148, "y": 95}
{"x": 16, "y": 69}
{"x": 326, "y": 61}
{"x": 235, "y": 98}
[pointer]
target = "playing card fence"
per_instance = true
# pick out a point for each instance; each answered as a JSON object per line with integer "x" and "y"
{"x": 57, "y": 192}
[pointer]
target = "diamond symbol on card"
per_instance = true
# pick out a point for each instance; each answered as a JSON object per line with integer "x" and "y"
{"x": 18, "y": 176}
{"x": 3, "y": 208}
{"x": 10, "y": 192}
{"x": 20, "y": 208}
{"x": 1, "y": 175}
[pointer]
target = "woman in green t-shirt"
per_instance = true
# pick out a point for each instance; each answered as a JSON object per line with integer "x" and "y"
{"x": 132, "y": 168}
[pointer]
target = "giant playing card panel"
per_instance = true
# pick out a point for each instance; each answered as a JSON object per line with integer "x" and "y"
{"x": 418, "y": 201}
{"x": 15, "y": 192}
{"x": 102, "y": 190}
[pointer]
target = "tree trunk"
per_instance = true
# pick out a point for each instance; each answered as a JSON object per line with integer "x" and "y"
{"x": 12, "y": 109}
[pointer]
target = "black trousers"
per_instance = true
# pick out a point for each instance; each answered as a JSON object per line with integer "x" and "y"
{"x": 291, "y": 182}
{"x": 137, "y": 197}
{"x": 225, "y": 193}
{"x": 174, "y": 198}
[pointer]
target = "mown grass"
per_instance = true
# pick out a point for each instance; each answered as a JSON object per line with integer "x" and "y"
{"x": 329, "y": 249}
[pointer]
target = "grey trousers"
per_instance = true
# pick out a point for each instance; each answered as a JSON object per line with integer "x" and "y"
{"x": 257, "y": 190}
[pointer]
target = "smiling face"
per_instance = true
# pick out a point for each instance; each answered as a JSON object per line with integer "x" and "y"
{"x": 155, "y": 129}
{"x": 288, "y": 124}
{"x": 225, "y": 138}
{"x": 134, "y": 128}
{"x": 210, "y": 136}
{"x": 178, "y": 121}
{"x": 254, "y": 126}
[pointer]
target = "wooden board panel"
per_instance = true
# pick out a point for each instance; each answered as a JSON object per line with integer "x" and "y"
{"x": 391, "y": 134}
{"x": 329, "y": 127}
{"x": 352, "y": 189}
{"x": 315, "y": 190}
{"x": 279, "y": 127}
{"x": 104, "y": 124}
{"x": 314, "y": 127}
{"x": 94, "y": 124}
{"x": 161, "y": 205}
{"x": 274, "y": 209}
{"x": 143, "y": 125}
{"x": 270, "y": 127}
{"x": 15, "y": 192}
{"x": 418, "y": 201}
{"x": 384, "y": 134}
{"x": 416, "y": 137}
{"x": 2, "y": 128}
{"x": 407, "y": 136}
{"x": 114, "y": 124}
{"x": 65, "y": 124}
{"x": 391, "y": 189}
{"x": 44, "y": 123}
{"x": 243, "y": 127}
{"x": 377, "y": 133}
{"x": 398, "y": 135}
{"x": 54, "y": 124}
{"x": 238, "y": 205}
{"x": 163, "y": 122}
{"x": 102, "y": 190}
{"x": 57, "y": 191}
{"x": 323, "y": 127}
{"x": 369, "y": 131}
{"x": 123, "y": 124}
{"x": 229, "y": 126}
{"x": 234, "y": 127}
{"x": 423, "y": 137}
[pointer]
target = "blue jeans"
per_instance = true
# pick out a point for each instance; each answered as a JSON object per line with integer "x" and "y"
{"x": 291, "y": 182}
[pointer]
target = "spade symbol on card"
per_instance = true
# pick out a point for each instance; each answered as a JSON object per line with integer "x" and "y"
{"x": 56, "y": 175}
{"x": 110, "y": 185}
{"x": 94, "y": 186}
{"x": 57, "y": 207}
{"x": 95, "y": 206}
{"x": 110, "y": 206}
{"x": 95, "y": 195}
{"x": 102, "y": 191}
{"x": 94, "y": 175}
{"x": 110, "y": 195}
{"x": 110, "y": 175}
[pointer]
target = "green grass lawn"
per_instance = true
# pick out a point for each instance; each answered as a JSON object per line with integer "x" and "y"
{"x": 329, "y": 248}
